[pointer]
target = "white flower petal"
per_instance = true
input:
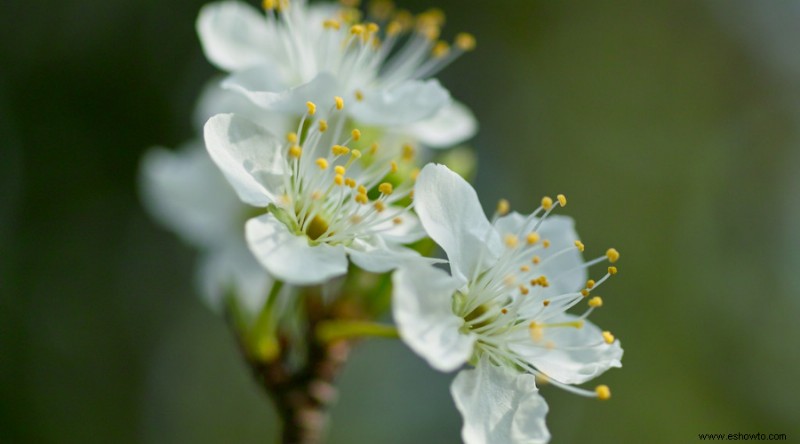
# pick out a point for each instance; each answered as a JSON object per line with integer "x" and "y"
{"x": 248, "y": 155}
{"x": 289, "y": 257}
{"x": 499, "y": 405}
{"x": 233, "y": 269}
{"x": 409, "y": 230}
{"x": 260, "y": 86}
{"x": 234, "y": 35}
{"x": 422, "y": 308}
{"x": 404, "y": 104}
{"x": 376, "y": 256}
{"x": 185, "y": 192}
{"x": 569, "y": 355}
{"x": 453, "y": 124}
{"x": 450, "y": 212}
{"x": 564, "y": 272}
{"x": 215, "y": 100}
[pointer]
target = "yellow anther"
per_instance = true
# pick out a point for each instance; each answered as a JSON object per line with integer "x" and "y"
{"x": 357, "y": 29}
{"x": 585, "y": 292}
{"x": 532, "y": 238}
{"x": 322, "y": 163}
{"x": 268, "y": 5}
{"x": 356, "y": 219}
{"x": 590, "y": 284}
{"x": 503, "y": 207}
{"x": 504, "y": 311}
{"x": 323, "y": 126}
{"x": 372, "y": 28}
{"x": 295, "y": 151}
{"x": 440, "y": 49}
{"x": 338, "y": 180}
{"x": 536, "y": 260}
{"x": 359, "y": 95}
{"x": 433, "y": 16}
{"x": 547, "y": 203}
{"x": 338, "y": 169}
{"x": 339, "y": 150}
{"x": 543, "y": 281}
{"x": 511, "y": 241}
{"x": 580, "y": 245}
{"x": 603, "y": 392}
{"x": 429, "y": 31}
{"x": 356, "y": 133}
{"x": 394, "y": 28}
{"x": 408, "y": 152}
{"x": 350, "y": 182}
{"x": 414, "y": 174}
{"x": 524, "y": 268}
{"x": 312, "y": 108}
{"x": 465, "y": 41}
{"x": 316, "y": 195}
{"x": 608, "y": 337}
{"x": 291, "y": 137}
{"x": 546, "y": 243}
{"x": 331, "y": 24}
{"x": 393, "y": 166}
{"x": 356, "y": 154}
{"x": 546, "y": 302}
{"x": 596, "y": 302}
{"x": 397, "y": 220}
{"x": 562, "y": 200}
{"x": 362, "y": 189}
{"x": 536, "y": 331}
{"x": 542, "y": 379}
{"x": 374, "y": 148}
{"x": 362, "y": 198}
{"x": 386, "y": 188}
{"x": 612, "y": 255}
{"x": 379, "y": 206}
{"x": 524, "y": 290}
{"x": 612, "y": 270}
{"x": 510, "y": 280}
{"x": 339, "y": 102}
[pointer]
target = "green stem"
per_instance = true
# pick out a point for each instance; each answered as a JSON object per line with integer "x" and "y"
{"x": 262, "y": 339}
{"x": 330, "y": 331}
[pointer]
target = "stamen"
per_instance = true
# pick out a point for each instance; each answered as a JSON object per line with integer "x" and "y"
{"x": 356, "y": 135}
{"x": 322, "y": 163}
{"x": 338, "y": 169}
{"x": 465, "y": 41}
{"x": 511, "y": 241}
{"x": 503, "y": 207}
{"x": 339, "y": 103}
{"x": 612, "y": 255}
{"x": 580, "y": 245}
{"x": 562, "y": 200}
{"x": 385, "y": 188}
{"x": 612, "y": 270}
{"x": 312, "y": 108}
{"x": 295, "y": 151}
{"x": 291, "y": 137}
{"x": 547, "y": 203}
{"x": 596, "y": 302}
{"x": 323, "y": 126}
{"x": 532, "y": 238}
{"x": 608, "y": 337}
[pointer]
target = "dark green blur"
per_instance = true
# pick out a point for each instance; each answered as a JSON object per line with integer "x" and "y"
{"x": 672, "y": 127}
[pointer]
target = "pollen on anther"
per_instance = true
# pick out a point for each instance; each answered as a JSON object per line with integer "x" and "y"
{"x": 608, "y": 337}
{"x": 585, "y": 292}
{"x": 504, "y": 311}
{"x": 359, "y": 95}
{"x": 590, "y": 284}
{"x": 350, "y": 182}
{"x": 596, "y": 302}
{"x": 331, "y": 24}
{"x": 323, "y": 126}
{"x": 397, "y": 220}
{"x": 393, "y": 166}
{"x": 546, "y": 243}
{"x": 603, "y": 392}
{"x": 546, "y": 302}
{"x": 357, "y": 29}
{"x": 465, "y": 41}
{"x": 362, "y": 189}
{"x": 356, "y": 135}
{"x": 268, "y": 5}
{"x": 612, "y": 254}
{"x": 440, "y": 49}
{"x": 295, "y": 151}
{"x": 562, "y": 200}
{"x": 612, "y": 270}
{"x": 339, "y": 150}
{"x": 511, "y": 240}
{"x": 374, "y": 148}
{"x": 291, "y": 137}
{"x": 532, "y": 238}
{"x": 580, "y": 245}
{"x": 408, "y": 152}
{"x": 322, "y": 163}
{"x": 524, "y": 268}
{"x": 356, "y": 154}
{"x": 361, "y": 198}
{"x": 338, "y": 169}
{"x": 379, "y": 206}
{"x": 338, "y": 179}
{"x": 547, "y": 203}
{"x": 536, "y": 260}
{"x": 312, "y": 108}
{"x": 524, "y": 290}
{"x": 385, "y": 188}
{"x": 503, "y": 207}
{"x": 339, "y": 103}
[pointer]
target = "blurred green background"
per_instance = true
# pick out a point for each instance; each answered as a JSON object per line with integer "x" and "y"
{"x": 671, "y": 126}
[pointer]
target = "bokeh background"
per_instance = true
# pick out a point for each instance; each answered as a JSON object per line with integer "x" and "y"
{"x": 672, "y": 126}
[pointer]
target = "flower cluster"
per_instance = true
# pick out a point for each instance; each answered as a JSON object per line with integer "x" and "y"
{"x": 314, "y": 169}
